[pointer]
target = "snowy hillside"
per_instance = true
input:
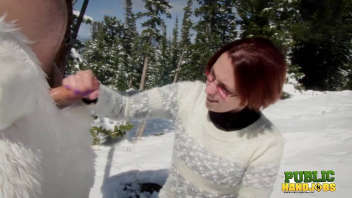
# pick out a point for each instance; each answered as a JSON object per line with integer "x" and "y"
{"x": 317, "y": 127}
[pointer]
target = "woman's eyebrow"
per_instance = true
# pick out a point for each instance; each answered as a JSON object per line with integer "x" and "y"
{"x": 219, "y": 82}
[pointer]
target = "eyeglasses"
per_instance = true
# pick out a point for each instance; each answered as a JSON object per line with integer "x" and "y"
{"x": 220, "y": 88}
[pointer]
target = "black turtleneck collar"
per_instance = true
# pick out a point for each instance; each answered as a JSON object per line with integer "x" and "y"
{"x": 230, "y": 121}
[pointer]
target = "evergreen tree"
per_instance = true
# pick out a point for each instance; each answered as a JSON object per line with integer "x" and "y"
{"x": 131, "y": 29}
{"x": 165, "y": 60}
{"x": 131, "y": 62}
{"x": 74, "y": 45}
{"x": 103, "y": 53}
{"x": 175, "y": 43}
{"x": 151, "y": 36}
{"x": 216, "y": 26}
{"x": 322, "y": 35}
{"x": 175, "y": 50}
{"x": 207, "y": 40}
{"x": 186, "y": 25}
{"x": 217, "y": 22}
{"x": 183, "y": 63}
{"x": 207, "y": 25}
{"x": 315, "y": 35}
{"x": 271, "y": 19}
{"x": 254, "y": 18}
{"x": 226, "y": 21}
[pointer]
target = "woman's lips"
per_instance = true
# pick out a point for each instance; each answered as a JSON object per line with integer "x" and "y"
{"x": 211, "y": 100}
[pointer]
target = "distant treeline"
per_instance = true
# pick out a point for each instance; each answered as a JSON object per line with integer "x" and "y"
{"x": 316, "y": 37}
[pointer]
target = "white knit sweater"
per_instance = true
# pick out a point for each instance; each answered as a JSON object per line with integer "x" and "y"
{"x": 206, "y": 161}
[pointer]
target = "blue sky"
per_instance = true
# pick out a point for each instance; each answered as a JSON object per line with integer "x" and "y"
{"x": 98, "y": 8}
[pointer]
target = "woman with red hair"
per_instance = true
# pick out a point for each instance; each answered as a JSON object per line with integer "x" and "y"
{"x": 225, "y": 146}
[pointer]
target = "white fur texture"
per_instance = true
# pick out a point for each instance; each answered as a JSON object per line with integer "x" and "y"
{"x": 25, "y": 169}
{"x": 44, "y": 152}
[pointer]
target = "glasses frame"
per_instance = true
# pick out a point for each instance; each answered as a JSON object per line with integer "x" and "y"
{"x": 222, "y": 91}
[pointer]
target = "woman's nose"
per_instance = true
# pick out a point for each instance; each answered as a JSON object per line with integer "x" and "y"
{"x": 210, "y": 89}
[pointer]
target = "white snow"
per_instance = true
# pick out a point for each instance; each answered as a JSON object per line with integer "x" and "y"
{"x": 75, "y": 54}
{"x": 317, "y": 127}
{"x": 86, "y": 18}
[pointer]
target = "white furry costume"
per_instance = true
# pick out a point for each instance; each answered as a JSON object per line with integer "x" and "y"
{"x": 44, "y": 152}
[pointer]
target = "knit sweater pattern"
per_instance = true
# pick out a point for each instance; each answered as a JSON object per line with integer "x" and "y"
{"x": 207, "y": 162}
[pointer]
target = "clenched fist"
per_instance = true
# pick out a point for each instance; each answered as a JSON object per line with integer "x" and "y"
{"x": 81, "y": 85}
{"x": 84, "y": 84}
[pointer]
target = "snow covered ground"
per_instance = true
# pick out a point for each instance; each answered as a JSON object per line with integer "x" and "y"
{"x": 317, "y": 127}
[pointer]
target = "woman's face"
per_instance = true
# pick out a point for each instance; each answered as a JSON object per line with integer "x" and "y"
{"x": 220, "y": 87}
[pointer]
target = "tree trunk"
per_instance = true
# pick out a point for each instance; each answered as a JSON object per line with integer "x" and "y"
{"x": 79, "y": 20}
{"x": 65, "y": 49}
{"x": 140, "y": 130}
{"x": 130, "y": 83}
{"x": 178, "y": 69}
{"x": 141, "y": 127}
{"x": 145, "y": 67}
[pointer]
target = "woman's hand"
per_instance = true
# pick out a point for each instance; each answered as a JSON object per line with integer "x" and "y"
{"x": 83, "y": 84}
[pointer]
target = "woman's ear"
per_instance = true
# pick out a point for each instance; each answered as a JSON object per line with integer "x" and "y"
{"x": 244, "y": 103}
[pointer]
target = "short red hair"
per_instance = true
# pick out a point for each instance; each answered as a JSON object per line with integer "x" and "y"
{"x": 259, "y": 70}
